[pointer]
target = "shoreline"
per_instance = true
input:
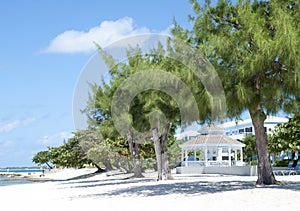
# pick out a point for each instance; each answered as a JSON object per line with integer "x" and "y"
{"x": 54, "y": 175}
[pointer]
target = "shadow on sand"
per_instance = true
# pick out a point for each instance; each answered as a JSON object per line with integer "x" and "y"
{"x": 126, "y": 186}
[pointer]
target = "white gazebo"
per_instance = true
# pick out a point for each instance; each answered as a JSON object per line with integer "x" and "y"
{"x": 212, "y": 148}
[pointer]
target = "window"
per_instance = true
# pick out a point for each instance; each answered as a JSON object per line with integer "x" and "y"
{"x": 248, "y": 129}
{"x": 241, "y": 131}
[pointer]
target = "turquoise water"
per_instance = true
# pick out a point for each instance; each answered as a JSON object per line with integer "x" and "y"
{"x": 25, "y": 170}
{"x": 5, "y": 181}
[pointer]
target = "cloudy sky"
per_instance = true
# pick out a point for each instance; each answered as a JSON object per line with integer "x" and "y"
{"x": 44, "y": 45}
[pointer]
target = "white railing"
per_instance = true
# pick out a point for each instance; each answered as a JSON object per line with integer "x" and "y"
{"x": 203, "y": 163}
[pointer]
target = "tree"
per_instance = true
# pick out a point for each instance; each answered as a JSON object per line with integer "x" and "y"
{"x": 154, "y": 88}
{"x": 249, "y": 150}
{"x": 286, "y": 137}
{"x": 140, "y": 90}
{"x": 95, "y": 149}
{"x": 42, "y": 157}
{"x": 69, "y": 154}
{"x": 253, "y": 46}
{"x": 100, "y": 114}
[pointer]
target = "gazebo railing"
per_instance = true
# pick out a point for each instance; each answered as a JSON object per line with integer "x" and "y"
{"x": 203, "y": 163}
{"x": 217, "y": 163}
{"x": 193, "y": 163}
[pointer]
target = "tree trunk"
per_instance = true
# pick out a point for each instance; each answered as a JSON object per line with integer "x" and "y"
{"x": 137, "y": 169}
{"x": 134, "y": 150}
{"x": 158, "y": 152}
{"x": 99, "y": 169}
{"x": 50, "y": 167}
{"x": 264, "y": 168}
{"x": 107, "y": 164}
{"x": 294, "y": 159}
{"x": 165, "y": 157}
{"x": 160, "y": 146}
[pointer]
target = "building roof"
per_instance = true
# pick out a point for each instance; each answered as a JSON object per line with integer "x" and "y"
{"x": 211, "y": 129}
{"x": 189, "y": 133}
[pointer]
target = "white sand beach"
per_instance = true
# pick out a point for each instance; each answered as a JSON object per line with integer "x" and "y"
{"x": 119, "y": 192}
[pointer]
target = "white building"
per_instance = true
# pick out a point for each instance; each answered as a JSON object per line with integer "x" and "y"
{"x": 241, "y": 128}
{"x": 187, "y": 135}
{"x": 237, "y": 129}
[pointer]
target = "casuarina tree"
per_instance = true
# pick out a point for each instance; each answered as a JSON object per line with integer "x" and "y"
{"x": 253, "y": 45}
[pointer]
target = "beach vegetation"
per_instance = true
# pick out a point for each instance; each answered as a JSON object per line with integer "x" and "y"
{"x": 43, "y": 157}
{"x": 286, "y": 138}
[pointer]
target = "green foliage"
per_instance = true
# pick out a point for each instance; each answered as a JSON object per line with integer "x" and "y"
{"x": 282, "y": 163}
{"x": 149, "y": 164}
{"x": 252, "y": 45}
{"x": 253, "y": 163}
{"x": 42, "y": 157}
{"x": 143, "y": 105}
{"x": 174, "y": 151}
{"x": 69, "y": 154}
{"x": 249, "y": 150}
{"x": 105, "y": 153}
{"x": 286, "y": 136}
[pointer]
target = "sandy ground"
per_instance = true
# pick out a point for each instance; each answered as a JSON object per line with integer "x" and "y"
{"x": 119, "y": 192}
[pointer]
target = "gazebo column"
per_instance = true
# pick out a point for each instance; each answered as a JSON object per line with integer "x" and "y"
{"x": 235, "y": 156}
{"x": 219, "y": 154}
{"x": 182, "y": 155}
{"x": 194, "y": 154}
{"x": 241, "y": 156}
{"x": 229, "y": 156}
{"x": 186, "y": 158}
{"x": 205, "y": 156}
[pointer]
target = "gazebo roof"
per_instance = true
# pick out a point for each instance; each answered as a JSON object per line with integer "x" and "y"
{"x": 211, "y": 136}
{"x": 211, "y": 129}
{"x": 212, "y": 140}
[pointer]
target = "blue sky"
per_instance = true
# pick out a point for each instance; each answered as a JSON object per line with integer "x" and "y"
{"x": 44, "y": 46}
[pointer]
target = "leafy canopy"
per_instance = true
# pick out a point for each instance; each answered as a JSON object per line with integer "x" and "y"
{"x": 286, "y": 136}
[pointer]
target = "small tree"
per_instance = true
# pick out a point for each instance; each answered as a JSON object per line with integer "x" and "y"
{"x": 42, "y": 157}
{"x": 286, "y": 137}
{"x": 69, "y": 154}
{"x": 249, "y": 150}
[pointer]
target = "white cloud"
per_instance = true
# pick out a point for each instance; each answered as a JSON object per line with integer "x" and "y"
{"x": 107, "y": 32}
{"x": 7, "y": 127}
{"x": 5, "y": 143}
{"x": 55, "y": 139}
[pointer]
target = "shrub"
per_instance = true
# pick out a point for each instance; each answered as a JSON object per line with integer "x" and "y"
{"x": 282, "y": 163}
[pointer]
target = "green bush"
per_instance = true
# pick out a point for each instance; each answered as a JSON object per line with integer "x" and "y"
{"x": 149, "y": 164}
{"x": 253, "y": 163}
{"x": 282, "y": 163}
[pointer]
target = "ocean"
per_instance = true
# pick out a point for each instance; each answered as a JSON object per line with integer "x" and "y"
{"x": 9, "y": 180}
{"x": 5, "y": 181}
